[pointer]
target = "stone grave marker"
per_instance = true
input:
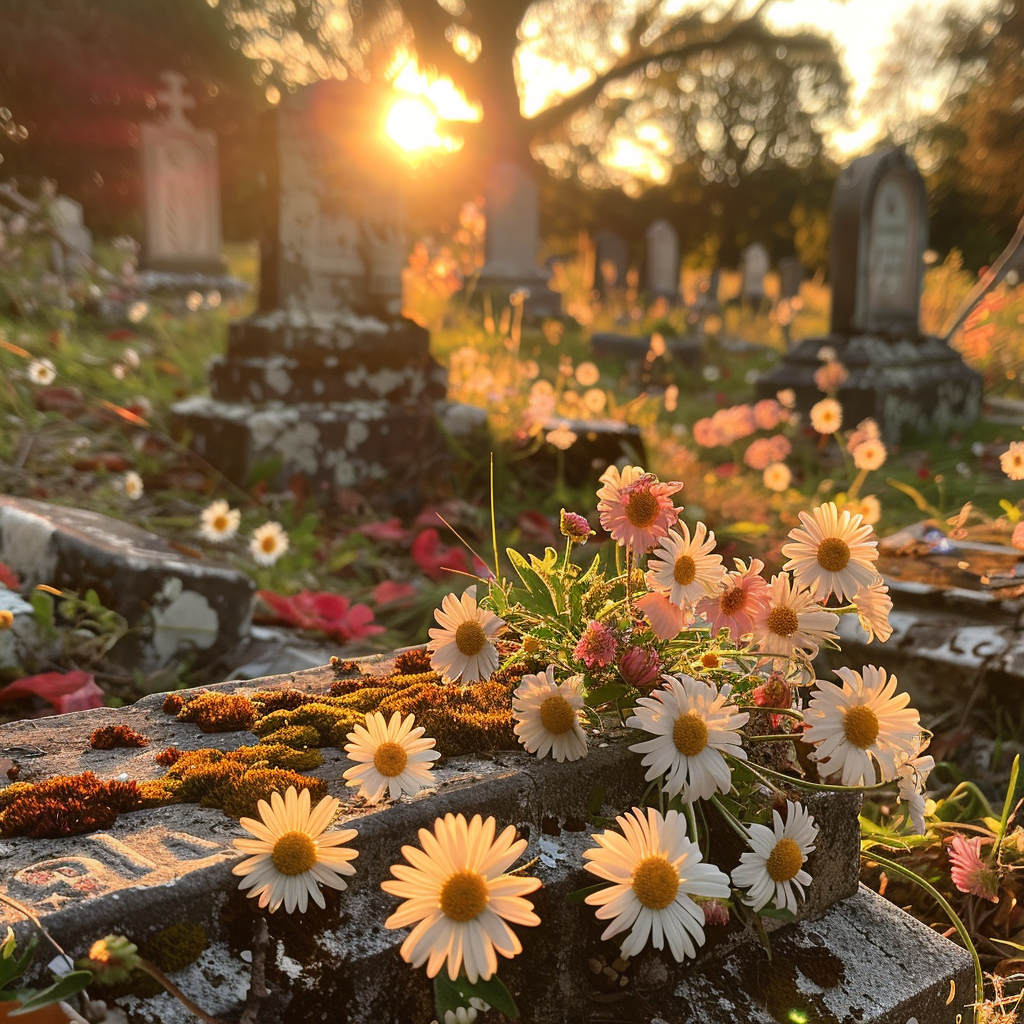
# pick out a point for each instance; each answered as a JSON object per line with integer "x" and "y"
{"x": 182, "y": 188}
{"x": 66, "y": 215}
{"x": 754, "y": 265}
{"x": 611, "y": 262}
{"x": 791, "y": 276}
{"x": 907, "y": 381}
{"x": 662, "y": 277}
{"x": 327, "y": 380}
{"x": 512, "y": 209}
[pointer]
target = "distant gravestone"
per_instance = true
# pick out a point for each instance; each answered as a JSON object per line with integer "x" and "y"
{"x": 791, "y": 276}
{"x": 326, "y": 380}
{"x": 66, "y": 216}
{"x": 182, "y": 188}
{"x": 755, "y": 264}
{"x": 662, "y": 277}
{"x": 907, "y": 381}
{"x": 611, "y": 262}
{"x": 512, "y": 211}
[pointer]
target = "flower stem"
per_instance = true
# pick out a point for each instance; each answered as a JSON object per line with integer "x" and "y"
{"x": 154, "y": 972}
{"x": 891, "y": 865}
{"x": 792, "y": 780}
{"x": 730, "y": 819}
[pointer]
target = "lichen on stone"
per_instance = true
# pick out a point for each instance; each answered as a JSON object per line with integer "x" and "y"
{"x": 106, "y": 737}
{"x": 65, "y": 805}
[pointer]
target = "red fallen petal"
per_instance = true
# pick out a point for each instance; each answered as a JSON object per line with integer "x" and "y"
{"x": 326, "y": 605}
{"x": 287, "y": 609}
{"x": 388, "y": 591}
{"x": 120, "y": 334}
{"x": 66, "y": 691}
{"x": 8, "y": 577}
{"x": 387, "y": 529}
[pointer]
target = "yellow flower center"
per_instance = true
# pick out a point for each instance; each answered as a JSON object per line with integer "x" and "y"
{"x": 783, "y": 621}
{"x": 557, "y": 715}
{"x": 269, "y": 543}
{"x": 784, "y": 861}
{"x": 684, "y": 571}
{"x": 732, "y": 600}
{"x": 294, "y": 853}
{"x": 710, "y": 660}
{"x": 833, "y": 554}
{"x": 220, "y": 524}
{"x": 470, "y": 638}
{"x": 390, "y": 759}
{"x": 642, "y": 509}
{"x": 860, "y": 725}
{"x": 464, "y": 896}
{"x": 655, "y": 882}
{"x": 690, "y": 734}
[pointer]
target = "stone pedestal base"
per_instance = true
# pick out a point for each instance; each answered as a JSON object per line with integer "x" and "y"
{"x": 908, "y": 385}
{"x": 336, "y": 398}
{"x": 541, "y": 301}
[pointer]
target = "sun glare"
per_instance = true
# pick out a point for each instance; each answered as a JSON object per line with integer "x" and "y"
{"x": 412, "y": 124}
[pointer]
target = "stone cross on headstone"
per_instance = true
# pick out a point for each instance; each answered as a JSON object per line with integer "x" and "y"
{"x": 326, "y": 380}
{"x": 175, "y": 98}
{"x": 906, "y": 381}
{"x": 181, "y": 183}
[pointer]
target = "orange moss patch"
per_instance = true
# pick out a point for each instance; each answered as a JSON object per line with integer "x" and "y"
{"x": 106, "y": 737}
{"x": 66, "y": 805}
{"x": 219, "y": 712}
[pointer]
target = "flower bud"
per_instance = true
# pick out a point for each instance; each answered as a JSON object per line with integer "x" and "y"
{"x": 575, "y": 527}
{"x": 640, "y": 667}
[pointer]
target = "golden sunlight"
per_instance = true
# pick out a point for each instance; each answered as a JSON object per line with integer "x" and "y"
{"x": 412, "y": 125}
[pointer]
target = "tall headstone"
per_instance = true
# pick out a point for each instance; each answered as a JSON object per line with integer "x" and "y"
{"x": 754, "y": 265}
{"x": 662, "y": 277}
{"x": 182, "y": 188}
{"x": 907, "y": 381}
{"x": 326, "y": 380}
{"x": 512, "y": 210}
{"x": 611, "y": 262}
{"x": 791, "y": 276}
{"x": 67, "y": 219}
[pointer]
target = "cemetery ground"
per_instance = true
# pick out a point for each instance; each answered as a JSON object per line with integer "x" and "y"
{"x": 99, "y": 435}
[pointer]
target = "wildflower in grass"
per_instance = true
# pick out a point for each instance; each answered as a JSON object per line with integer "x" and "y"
{"x": 640, "y": 667}
{"x": 462, "y": 647}
{"x": 873, "y": 607}
{"x": 292, "y": 854}
{"x": 588, "y": 374}
{"x": 547, "y": 714}
{"x": 131, "y": 359}
{"x": 636, "y": 508}
{"x": 137, "y": 312}
{"x": 655, "y": 871}
{"x": 777, "y": 477}
{"x": 831, "y": 376}
{"x": 792, "y": 621}
{"x": 561, "y": 437}
{"x": 826, "y": 416}
{"x": 867, "y": 430}
{"x": 269, "y": 542}
{"x": 759, "y": 454}
{"x": 832, "y": 553}
{"x": 219, "y": 522}
{"x": 739, "y": 601}
{"x": 968, "y": 870}
{"x": 870, "y": 455}
{"x": 859, "y": 725}
{"x": 41, "y": 371}
{"x": 6, "y": 618}
{"x": 768, "y": 414}
{"x": 787, "y": 398}
{"x": 1012, "y": 461}
{"x": 685, "y": 568}
{"x": 459, "y": 898}
{"x": 574, "y": 527}
{"x": 111, "y": 959}
{"x": 869, "y": 508}
{"x": 1017, "y": 537}
{"x": 597, "y": 646}
{"x": 772, "y": 869}
{"x": 132, "y": 484}
{"x": 693, "y": 725}
{"x": 391, "y": 756}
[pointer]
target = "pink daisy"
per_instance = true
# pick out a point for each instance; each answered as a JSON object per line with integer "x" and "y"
{"x": 666, "y": 619}
{"x": 969, "y": 872}
{"x": 636, "y": 508}
{"x": 743, "y": 595}
{"x": 597, "y": 646}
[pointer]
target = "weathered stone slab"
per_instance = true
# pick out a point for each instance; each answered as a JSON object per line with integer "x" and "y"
{"x": 685, "y": 353}
{"x": 173, "y": 863}
{"x": 179, "y": 604}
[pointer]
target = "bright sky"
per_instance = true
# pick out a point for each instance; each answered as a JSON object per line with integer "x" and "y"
{"x": 862, "y": 28}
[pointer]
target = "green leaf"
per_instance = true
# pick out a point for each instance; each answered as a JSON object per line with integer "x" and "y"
{"x": 745, "y": 528}
{"x": 10, "y": 968}
{"x": 540, "y": 597}
{"x": 777, "y": 915}
{"x": 42, "y": 608}
{"x": 546, "y": 564}
{"x": 602, "y": 694}
{"x": 596, "y": 800}
{"x": 63, "y": 988}
{"x": 580, "y": 895}
{"x": 1011, "y": 793}
{"x": 915, "y": 496}
{"x": 450, "y": 995}
{"x": 1013, "y": 514}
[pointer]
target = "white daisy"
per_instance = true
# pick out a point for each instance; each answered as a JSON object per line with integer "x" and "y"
{"x": 912, "y": 778}
{"x": 459, "y": 898}
{"x": 693, "y": 724}
{"x": 832, "y": 553}
{"x": 219, "y": 522}
{"x": 133, "y": 487}
{"x": 826, "y": 416}
{"x": 773, "y": 866}
{"x": 292, "y": 855}
{"x": 462, "y": 647}
{"x": 1012, "y": 461}
{"x": 392, "y": 756}
{"x": 654, "y": 870}
{"x": 861, "y": 724}
{"x": 269, "y": 542}
{"x": 873, "y": 607}
{"x": 41, "y": 371}
{"x": 869, "y": 454}
{"x": 777, "y": 476}
{"x": 792, "y": 621}
{"x": 547, "y": 716}
{"x": 684, "y": 568}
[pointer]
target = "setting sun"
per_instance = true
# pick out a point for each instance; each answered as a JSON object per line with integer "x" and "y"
{"x": 412, "y": 124}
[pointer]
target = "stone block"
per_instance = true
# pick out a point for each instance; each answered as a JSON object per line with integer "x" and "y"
{"x": 598, "y": 444}
{"x": 178, "y": 604}
{"x": 684, "y": 352}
